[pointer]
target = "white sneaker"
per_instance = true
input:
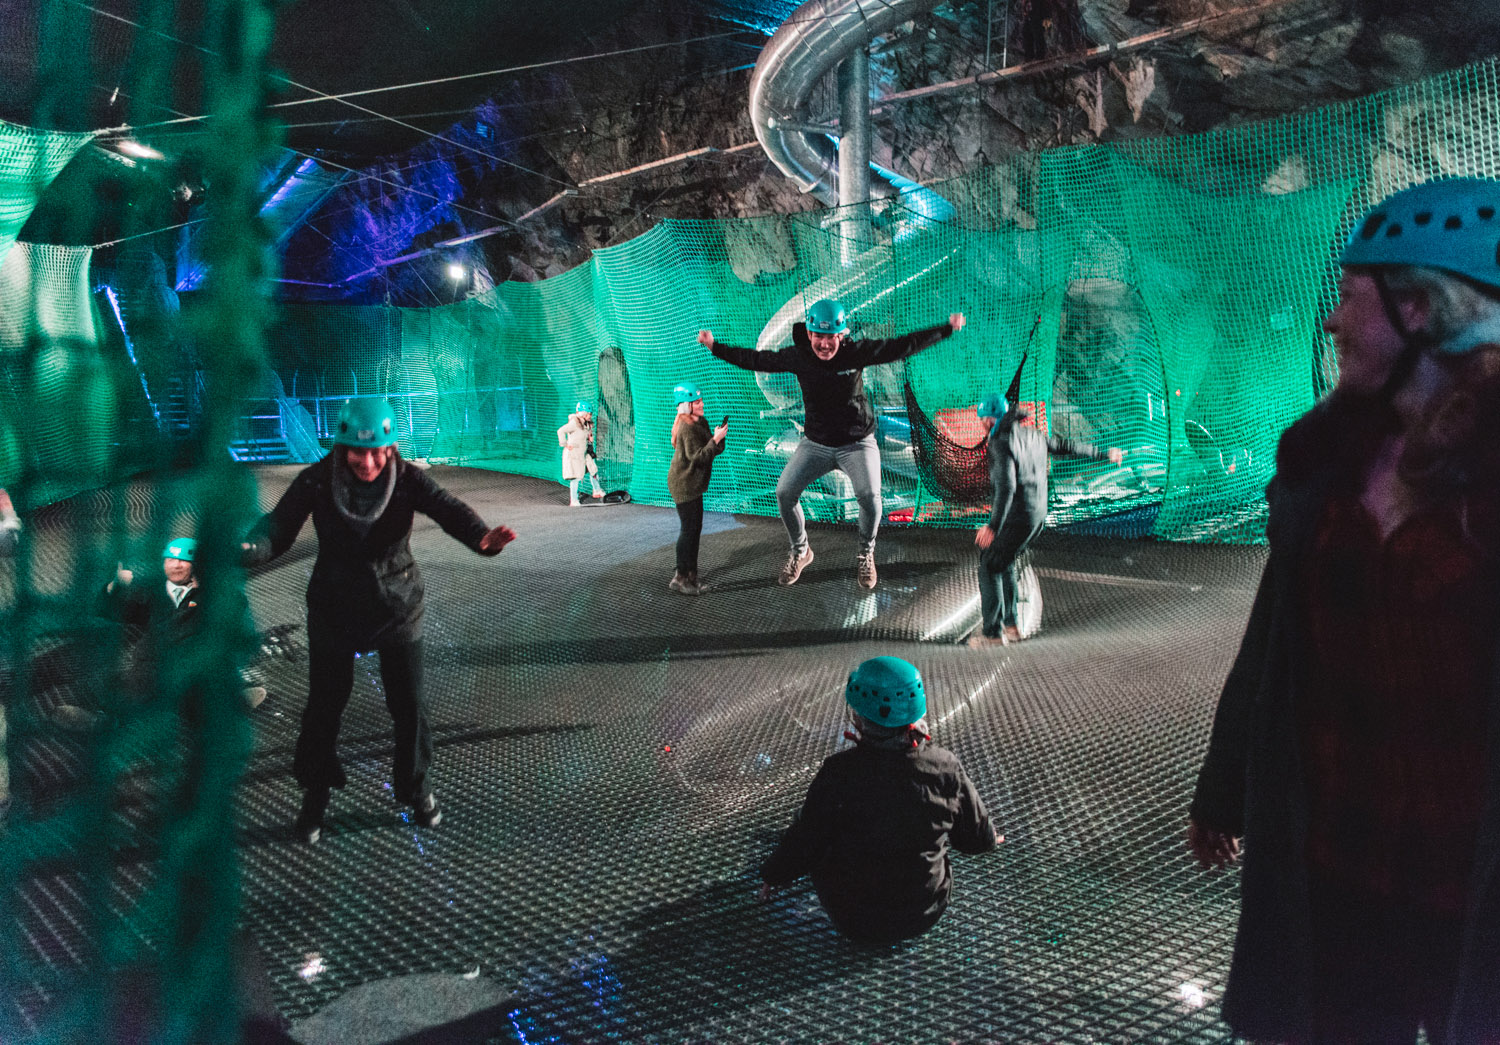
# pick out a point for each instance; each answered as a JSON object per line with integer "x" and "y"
{"x": 864, "y": 568}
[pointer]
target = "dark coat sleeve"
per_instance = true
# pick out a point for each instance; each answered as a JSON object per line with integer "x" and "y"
{"x": 806, "y": 842}
{"x": 1219, "y": 799}
{"x": 1057, "y": 446}
{"x": 456, "y": 518}
{"x": 972, "y": 831}
{"x": 893, "y": 349}
{"x": 278, "y": 528}
{"x": 779, "y": 362}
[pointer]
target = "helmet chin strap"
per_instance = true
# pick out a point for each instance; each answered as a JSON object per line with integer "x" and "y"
{"x": 1413, "y": 341}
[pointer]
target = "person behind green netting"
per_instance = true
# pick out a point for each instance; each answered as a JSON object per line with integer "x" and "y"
{"x": 879, "y": 817}
{"x": 576, "y": 437}
{"x": 839, "y": 426}
{"x": 694, "y": 448}
{"x": 1356, "y": 745}
{"x": 1018, "y": 455}
{"x": 173, "y": 606}
{"x": 365, "y": 594}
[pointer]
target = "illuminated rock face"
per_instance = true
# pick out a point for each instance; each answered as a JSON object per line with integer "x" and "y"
{"x": 557, "y": 128}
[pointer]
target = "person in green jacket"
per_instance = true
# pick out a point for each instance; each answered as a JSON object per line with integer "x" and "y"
{"x": 694, "y": 448}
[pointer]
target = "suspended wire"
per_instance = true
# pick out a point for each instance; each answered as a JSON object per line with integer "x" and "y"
{"x": 150, "y": 232}
{"x": 507, "y": 70}
{"x": 321, "y": 96}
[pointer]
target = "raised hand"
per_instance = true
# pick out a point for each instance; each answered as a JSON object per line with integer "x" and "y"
{"x": 957, "y": 321}
{"x": 493, "y": 541}
{"x": 1116, "y": 455}
{"x": 705, "y": 339}
{"x": 721, "y": 432}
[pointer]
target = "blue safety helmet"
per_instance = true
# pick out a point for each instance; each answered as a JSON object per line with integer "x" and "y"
{"x": 183, "y": 548}
{"x": 887, "y": 691}
{"x": 686, "y": 393}
{"x": 1452, "y": 224}
{"x": 827, "y": 317}
{"x": 366, "y": 423}
{"x": 992, "y": 405}
{"x": 583, "y": 406}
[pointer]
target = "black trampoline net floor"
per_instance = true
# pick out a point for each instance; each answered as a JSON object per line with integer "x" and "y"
{"x": 615, "y": 760}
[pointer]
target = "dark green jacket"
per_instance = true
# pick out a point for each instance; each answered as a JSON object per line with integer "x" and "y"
{"x": 692, "y": 460}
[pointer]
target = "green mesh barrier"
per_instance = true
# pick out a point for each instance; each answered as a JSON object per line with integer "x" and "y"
{"x": 122, "y": 750}
{"x": 1166, "y": 293}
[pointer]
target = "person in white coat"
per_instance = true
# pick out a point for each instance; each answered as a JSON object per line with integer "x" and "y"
{"x": 577, "y": 440}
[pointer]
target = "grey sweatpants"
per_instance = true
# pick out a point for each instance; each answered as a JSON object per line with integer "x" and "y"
{"x": 860, "y": 461}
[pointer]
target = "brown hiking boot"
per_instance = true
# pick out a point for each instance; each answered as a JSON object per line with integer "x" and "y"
{"x": 794, "y": 566}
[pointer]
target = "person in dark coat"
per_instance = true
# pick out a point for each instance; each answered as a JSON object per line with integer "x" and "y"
{"x": 694, "y": 448}
{"x": 1356, "y": 744}
{"x": 880, "y": 817}
{"x": 839, "y": 426}
{"x": 1018, "y": 471}
{"x": 365, "y": 594}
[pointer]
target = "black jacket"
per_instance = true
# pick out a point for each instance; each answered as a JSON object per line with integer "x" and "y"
{"x": 833, "y": 393}
{"x": 365, "y": 590}
{"x": 1018, "y": 470}
{"x": 874, "y": 834}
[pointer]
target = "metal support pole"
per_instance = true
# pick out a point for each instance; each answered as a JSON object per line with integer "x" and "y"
{"x": 854, "y": 149}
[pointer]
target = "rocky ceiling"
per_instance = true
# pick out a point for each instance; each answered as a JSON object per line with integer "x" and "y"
{"x": 673, "y": 79}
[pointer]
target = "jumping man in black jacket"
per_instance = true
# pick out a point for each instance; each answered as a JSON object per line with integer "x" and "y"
{"x": 365, "y": 594}
{"x": 839, "y": 426}
{"x": 875, "y": 829}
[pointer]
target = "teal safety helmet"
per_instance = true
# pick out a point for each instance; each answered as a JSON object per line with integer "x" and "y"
{"x": 366, "y": 423}
{"x": 183, "y": 548}
{"x": 686, "y": 393}
{"x": 583, "y": 406}
{"x": 992, "y": 405}
{"x": 887, "y": 691}
{"x": 1452, "y": 224}
{"x": 827, "y": 317}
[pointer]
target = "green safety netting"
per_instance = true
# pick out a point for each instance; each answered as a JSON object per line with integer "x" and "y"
{"x": 1165, "y": 294}
{"x": 1167, "y": 291}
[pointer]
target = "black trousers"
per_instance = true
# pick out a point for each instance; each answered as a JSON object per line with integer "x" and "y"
{"x": 330, "y": 680}
{"x": 690, "y": 517}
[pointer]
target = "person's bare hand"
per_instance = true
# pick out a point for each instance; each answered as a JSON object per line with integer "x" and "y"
{"x": 705, "y": 339}
{"x": 721, "y": 432}
{"x": 765, "y": 893}
{"x": 1116, "y": 455}
{"x": 957, "y": 321}
{"x": 493, "y": 541}
{"x": 1212, "y": 849}
{"x": 999, "y": 838}
{"x": 123, "y": 577}
{"x": 984, "y": 537}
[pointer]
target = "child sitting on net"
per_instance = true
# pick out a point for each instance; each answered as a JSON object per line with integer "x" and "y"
{"x": 879, "y": 818}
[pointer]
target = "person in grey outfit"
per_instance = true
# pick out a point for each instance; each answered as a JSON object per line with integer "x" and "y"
{"x": 1018, "y": 469}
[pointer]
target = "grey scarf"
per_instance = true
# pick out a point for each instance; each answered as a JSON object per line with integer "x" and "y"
{"x": 359, "y": 503}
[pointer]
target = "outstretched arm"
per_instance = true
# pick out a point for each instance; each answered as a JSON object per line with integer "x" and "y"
{"x": 457, "y": 519}
{"x": 278, "y": 528}
{"x": 777, "y": 362}
{"x": 891, "y": 350}
{"x": 1060, "y": 447}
